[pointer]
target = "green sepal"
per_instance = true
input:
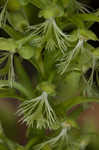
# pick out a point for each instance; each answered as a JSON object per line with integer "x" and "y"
{"x": 52, "y": 11}
{"x": 47, "y": 87}
{"x": 26, "y": 51}
{"x": 8, "y": 44}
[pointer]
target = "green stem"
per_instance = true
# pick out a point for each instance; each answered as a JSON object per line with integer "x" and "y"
{"x": 22, "y": 75}
{"x": 32, "y": 142}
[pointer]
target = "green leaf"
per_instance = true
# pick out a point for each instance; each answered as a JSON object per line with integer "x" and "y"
{"x": 88, "y": 34}
{"x": 70, "y": 103}
{"x": 88, "y": 17}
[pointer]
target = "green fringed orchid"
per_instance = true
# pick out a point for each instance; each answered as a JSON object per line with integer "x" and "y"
{"x": 50, "y": 65}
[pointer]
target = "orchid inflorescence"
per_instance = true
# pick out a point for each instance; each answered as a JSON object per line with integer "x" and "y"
{"x": 54, "y": 40}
